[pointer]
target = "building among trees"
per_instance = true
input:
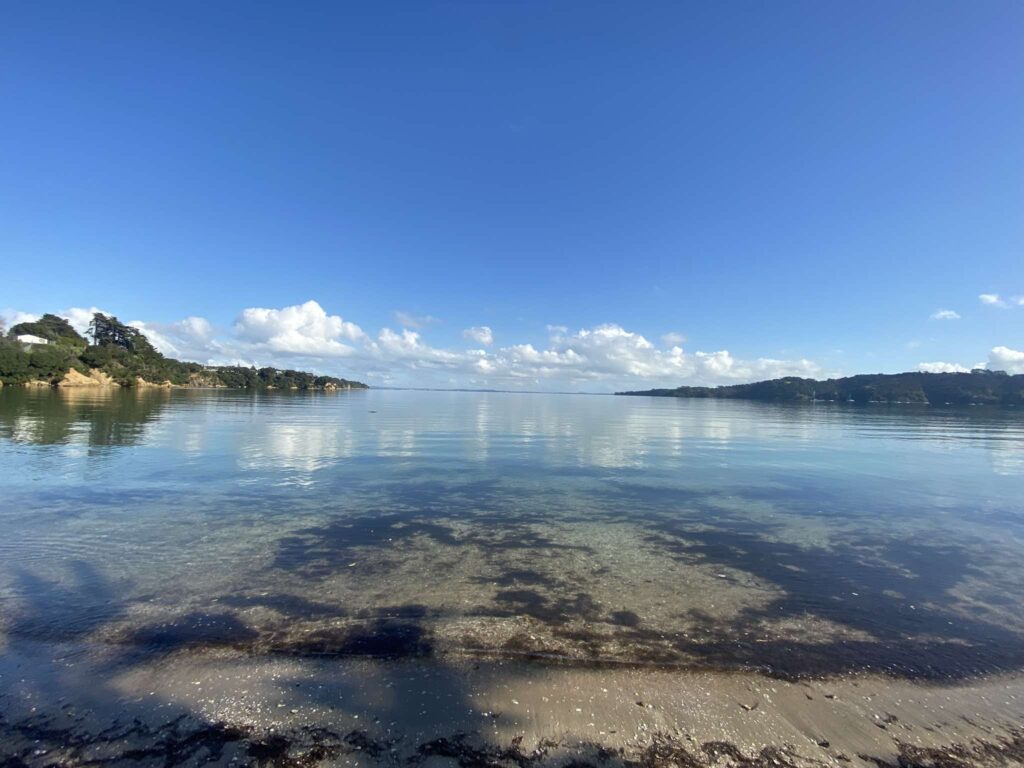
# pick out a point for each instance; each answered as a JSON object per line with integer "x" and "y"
{"x": 28, "y": 338}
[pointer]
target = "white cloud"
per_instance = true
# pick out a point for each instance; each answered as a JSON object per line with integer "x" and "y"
{"x": 722, "y": 367}
{"x": 991, "y": 299}
{"x": 481, "y": 334}
{"x": 407, "y": 348}
{"x": 999, "y": 359}
{"x": 10, "y": 317}
{"x": 601, "y": 358}
{"x": 304, "y": 329}
{"x": 940, "y": 367}
{"x": 409, "y": 320}
{"x": 79, "y": 317}
{"x": 1006, "y": 359}
{"x": 189, "y": 339}
{"x": 610, "y": 352}
{"x": 946, "y": 314}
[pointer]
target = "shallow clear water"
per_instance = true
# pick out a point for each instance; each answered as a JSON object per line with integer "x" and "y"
{"x": 799, "y": 540}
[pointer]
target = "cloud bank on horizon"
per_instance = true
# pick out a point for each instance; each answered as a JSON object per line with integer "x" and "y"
{"x": 600, "y": 358}
{"x": 306, "y": 336}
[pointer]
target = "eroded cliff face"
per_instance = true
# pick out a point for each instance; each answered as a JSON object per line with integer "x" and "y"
{"x": 96, "y": 378}
{"x": 202, "y": 380}
{"x": 205, "y": 379}
{"x": 141, "y": 383}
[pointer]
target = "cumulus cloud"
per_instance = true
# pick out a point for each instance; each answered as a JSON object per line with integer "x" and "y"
{"x": 722, "y": 368}
{"x": 481, "y": 334}
{"x": 1006, "y": 359}
{"x": 80, "y": 317}
{"x": 408, "y": 348}
{"x": 991, "y": 299}
{"x": 610, "y": 352}
{"x": 304, "y": 329}
{"x": 999, "y": 359}
{"x": 188, "y": 339}
{"x": 945, "y": 314}
{"x": 10, "y": 317}
{"x": 940, "y": 367}
{"x": 603, "y": 357}
{"x": 607, "y": 354}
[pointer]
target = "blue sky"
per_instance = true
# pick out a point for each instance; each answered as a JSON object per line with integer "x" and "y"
{"x": 799, "y": 185}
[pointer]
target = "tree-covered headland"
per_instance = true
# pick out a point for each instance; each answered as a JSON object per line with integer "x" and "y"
{"x": 979, "y": 387}
{"x": 124, "y": 356}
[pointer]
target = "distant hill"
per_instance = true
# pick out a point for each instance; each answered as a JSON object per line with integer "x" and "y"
{"x": 978, "y": 387}
{"x": 120, "y": 354}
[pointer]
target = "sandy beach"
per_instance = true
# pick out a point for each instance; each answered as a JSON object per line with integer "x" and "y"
{"x": 67, "y": 705}
{"x": 258, "y": 595}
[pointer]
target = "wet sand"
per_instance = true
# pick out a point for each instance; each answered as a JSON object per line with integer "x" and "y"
{"x": 83, "y": 705}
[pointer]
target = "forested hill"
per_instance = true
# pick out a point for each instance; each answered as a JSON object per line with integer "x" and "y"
{"x": 116, "y": 353}
{"x": 980, "y": 386}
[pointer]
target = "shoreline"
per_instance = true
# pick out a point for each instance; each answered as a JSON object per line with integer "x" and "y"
{"x": 77, "y": 704}
{"x": 142, "y": 384}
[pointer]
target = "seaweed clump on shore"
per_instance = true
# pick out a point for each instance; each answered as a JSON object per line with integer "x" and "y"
{"x": 186, "y": 741}
{"x": 1006, "y": 752}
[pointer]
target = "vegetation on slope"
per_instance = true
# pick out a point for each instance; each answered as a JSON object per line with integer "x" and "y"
{"x": 126, "y": 355}
{"x": 56, "y": 329}
{"x": 980, "y": 386}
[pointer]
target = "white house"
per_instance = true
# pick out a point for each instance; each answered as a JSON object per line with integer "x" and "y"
{"x": 28, "y": 338}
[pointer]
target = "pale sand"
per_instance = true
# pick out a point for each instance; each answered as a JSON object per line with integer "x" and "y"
{"x": 61, "y": 705}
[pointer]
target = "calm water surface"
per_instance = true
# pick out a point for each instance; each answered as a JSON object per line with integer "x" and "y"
{"x": 795, "y": 540}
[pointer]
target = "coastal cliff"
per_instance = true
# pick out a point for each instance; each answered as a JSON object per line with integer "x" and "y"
{"x": 95, "y": 378}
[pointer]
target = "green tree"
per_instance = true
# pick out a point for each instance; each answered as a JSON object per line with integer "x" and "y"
{"x": 55, "y": 329}
{"x": 107, "y": 330}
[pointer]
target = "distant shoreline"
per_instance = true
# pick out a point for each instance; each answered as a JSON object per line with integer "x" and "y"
{"x": 979, "y": 387}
